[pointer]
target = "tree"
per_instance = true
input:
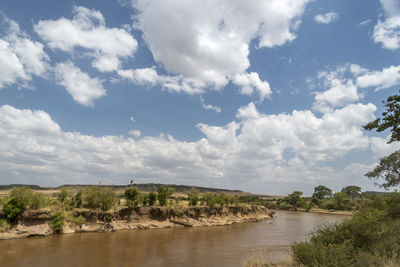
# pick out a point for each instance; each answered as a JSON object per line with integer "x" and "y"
{"x": 163, "y": 194}
{"x": 99, "y": 197}
{"x": 63, "y": 195}
{"x": 321, "y": 192}
{"x": 389, "y": 166}
{"x": 352, "y": 191}
{"x": 391, "y": 119}
{"x": 295, "y": 200}
{"x": 193, "y": 195}
{"x": 152, "y": 198}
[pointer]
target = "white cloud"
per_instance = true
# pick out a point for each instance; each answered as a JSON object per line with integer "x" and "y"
{"x": 132, "y": 119}
{"x": 327, "y": 17}
{"x": 135, "y": 133}
{"x": 208, "y": 41}
{"x": 250, "y": 81}
{"x": 241, "y": 154}
{"x": 87, "y": 29}
{"x": 386, "y": 78}
{"x": 150, "y": 77}
{"x": 20, "y": 57}
{"x": 381, "y": 148}
{"x": 387, "y": 32}
{"x": 208, "y": 106}
{"x": 79, "y": 85}
{"x": 340, "y": 91}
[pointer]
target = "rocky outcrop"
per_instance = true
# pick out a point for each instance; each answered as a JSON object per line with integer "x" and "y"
{"x": 36, "y": 223}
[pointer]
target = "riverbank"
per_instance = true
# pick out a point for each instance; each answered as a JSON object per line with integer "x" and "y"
{"x": 37, "y": 222}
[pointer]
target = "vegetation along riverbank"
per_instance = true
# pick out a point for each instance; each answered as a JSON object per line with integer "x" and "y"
{"x": 26, "y": 213}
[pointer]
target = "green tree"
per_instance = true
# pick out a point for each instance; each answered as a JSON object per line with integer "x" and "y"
{"x": 341, "y": 202}
{"x": 163, "y": 194}
{"x": 295, "y": 200}
{"x": 193, "y": 195}
{"x": 321, "y": 192}
{"x": 63, "y": 195}
{"x": 152, "y": 198}
{"x": 99, "y": 197}
{"x": 131, "y": 193}
{"x": 352, "y": 191}
{"x": 389, "y": 166}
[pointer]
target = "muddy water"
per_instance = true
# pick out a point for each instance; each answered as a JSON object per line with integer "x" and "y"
{"x": 199, "y": 246}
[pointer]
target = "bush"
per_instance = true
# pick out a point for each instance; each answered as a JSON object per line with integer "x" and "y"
{"x": 57, "y": 222}
{"x": 78, "y": 199}
{"x": 163, "y": 194}
{"x": 152, "y": 198}
{"x": 63, "y": 195}
{"x": 131, "y": 193}
{"x": 77, "y": 220}
{"x": 210, "y": 200}
{"x": 193, "y": 195}
{"x": 99, "y": 197}
{"x": 12, "y": 209}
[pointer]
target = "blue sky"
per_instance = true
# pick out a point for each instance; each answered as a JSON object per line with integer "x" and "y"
{"x": 262, "y": 96}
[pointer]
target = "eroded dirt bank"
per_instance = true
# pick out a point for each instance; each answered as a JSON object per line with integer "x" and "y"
{"x": 37, "y": 223}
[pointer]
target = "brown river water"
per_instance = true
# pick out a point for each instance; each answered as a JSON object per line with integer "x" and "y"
{"x": 197, "y": 246}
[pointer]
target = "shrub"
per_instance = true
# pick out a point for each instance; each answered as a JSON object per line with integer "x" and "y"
{"x": 163, "y": 194}
{"x": 152, "y": 198}
{"x": 77, "y": 220}
{"x": 63, "y": 195}
{"x": 12, "y": 209}
{"x": 193, "y": 195}
{"x": 99, "y": 197}
{"x": 210, "y": 199}
{"x": 57, "y": 222}
{"x": 78, "y": 199}
{"x": 131, "y": 193}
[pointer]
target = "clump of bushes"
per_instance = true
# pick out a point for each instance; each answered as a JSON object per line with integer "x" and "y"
{"x": 99, "y": 197}
{"x": 57, "y": 222}
{"x": 162, "y": 195}
{"x": 21, "y": 199}
{"x": 370, "y": 238}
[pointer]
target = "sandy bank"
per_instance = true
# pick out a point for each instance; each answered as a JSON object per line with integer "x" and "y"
{"x": 36, "y": 223}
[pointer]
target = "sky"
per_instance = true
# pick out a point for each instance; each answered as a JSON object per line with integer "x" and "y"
{"x": 261, "y": 96}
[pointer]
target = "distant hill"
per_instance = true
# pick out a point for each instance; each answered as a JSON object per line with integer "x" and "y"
{"x": 148, "y": 187}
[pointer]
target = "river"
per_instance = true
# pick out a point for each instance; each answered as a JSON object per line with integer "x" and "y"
{"x": 197, "y": 246}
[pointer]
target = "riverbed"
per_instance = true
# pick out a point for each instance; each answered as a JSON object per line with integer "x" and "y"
{"x": 197, "y": 246}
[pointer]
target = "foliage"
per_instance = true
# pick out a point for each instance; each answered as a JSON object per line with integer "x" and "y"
{"x": 352, "y": 191}
{"x": 78, "y": 199}
{"x": 341, "y": 202}
{"x": 163, "y": 194}
{"x": 99, "y": 197}
{"x": 388, "y": 169}
{"x": 57, "y": 222}
{"x": 131, "y": 193}
{"x": 321, "y": 192}
{"x": 63, "y": 195}
{"x": 369, "y": 238}
{"x": 295, "y": 200}
{"x": 77, "y": 220}
{"x": 12, "y": 209}
{"x": 193, "y": 195}
{"x": 209, "y": 198}
{"x": 389, "y": 166}
{"x": 145, "y": 200}
{"x": 21, "y": 199}
{"x": 391, "y": 119}
{"x": 152, "y": 198}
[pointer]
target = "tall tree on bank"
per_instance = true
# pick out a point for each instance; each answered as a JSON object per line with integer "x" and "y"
{"x": 389, "y": 166}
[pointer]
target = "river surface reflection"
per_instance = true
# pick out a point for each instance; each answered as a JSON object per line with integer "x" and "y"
{"x": 198, "y": 246}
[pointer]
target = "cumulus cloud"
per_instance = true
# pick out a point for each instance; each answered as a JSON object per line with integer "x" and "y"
{"x": 20, "y": 57}
{"x": 339, "y": 89}
{"x": 386, "y": 78}
{"x": 208, "y": 41}
{"x": 87, "y": 30}
{"x": 387, "y": 31}
{"x": 249, "y": 82}
{"x": 135, "y": 133}
{"x": 78, "y": 84}
{"x": 251, "y": 150}
{"x": 149, "y": 77}
{"x": 327, "y": 17}
{"x": 208, "y": 106}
